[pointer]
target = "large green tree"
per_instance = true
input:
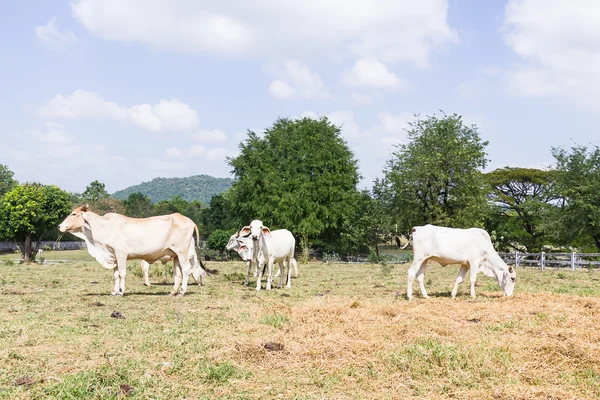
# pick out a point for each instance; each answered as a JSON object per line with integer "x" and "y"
{"x": 6, "y": 179}
{"x": 521, "y": 199}
{"x": 300, "y": 176}
{"x": 219, "y": 216}
{"x": 435, "y": 177}
{"x": 32, "y": 209}
{"x": 577, "y": 220}
{"x": 138, "y": 205}
{"x": 95, "y": 191}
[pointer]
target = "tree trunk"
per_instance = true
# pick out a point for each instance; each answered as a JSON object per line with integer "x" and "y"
{"x": 377, "y": 250}
{"x": 27, "y": 247}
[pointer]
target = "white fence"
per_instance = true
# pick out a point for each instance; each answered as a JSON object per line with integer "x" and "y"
{"x": 573, "y": 260}
{"x": 62, "y": 245}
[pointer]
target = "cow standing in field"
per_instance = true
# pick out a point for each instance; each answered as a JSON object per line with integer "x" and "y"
{"x": 164, "y": 260}
{"x": 113, "y": 239}
{"x": 471, "y": 248}
{"x": 240, "y": 245}
{"x": 274, "y": 247}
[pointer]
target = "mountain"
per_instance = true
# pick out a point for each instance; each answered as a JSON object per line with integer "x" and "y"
{"x": 197, "y": 187}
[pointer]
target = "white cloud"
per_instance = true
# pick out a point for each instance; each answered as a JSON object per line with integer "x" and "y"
{"x": 214, "y": 154}
{"x": 361, "y": 100}
{"x": 281, "y": 90}
{"x": 167, "y": 115}
{"x": 400, "y": 30}
{"x": 390, "y": 123}
{"x": 173, "y": 152}
{"x": 303, "y": 82}
{"x": 371, "y": 73}
{"x": 212, "y": 135}
{"x": 559, "y": 45}
{"x": 345, "y": 120}
{"x": 49, "y": 33}
{"x": 53, "y": 134}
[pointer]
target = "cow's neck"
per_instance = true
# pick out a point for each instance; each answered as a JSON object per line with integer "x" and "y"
{"x": 95, "y": 245}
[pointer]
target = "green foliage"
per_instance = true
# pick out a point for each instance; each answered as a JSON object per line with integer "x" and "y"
{"x": 6, "y": 179}
{"x": 577, "y": 220}
{"x": 521, "y": 200}
{"x": 94, "y": 192}
{"x": 301, "y": 176}
{"x": 370, "y": 223}
{"x": 219, "y": 215}
{"x": 197, "y": 187}
{"x": 32, "y": 208}
{"x": 194, "y": 210}
{"x": 138, "y": 205}
{"x": 218, "y": 239}
{"x": 275, "y": 320}
{"x": 435, "y": 177}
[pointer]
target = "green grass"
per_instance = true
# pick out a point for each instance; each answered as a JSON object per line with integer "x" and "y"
{"x": 347, "y": 332}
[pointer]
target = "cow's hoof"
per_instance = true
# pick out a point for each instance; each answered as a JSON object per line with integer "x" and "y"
{"x": 180, "y": 294}
{"x": 171, "y": 294}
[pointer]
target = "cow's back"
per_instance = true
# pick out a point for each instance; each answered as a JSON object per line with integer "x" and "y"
{"x": 447, "y": 245}
{"x": 281, "y": 244}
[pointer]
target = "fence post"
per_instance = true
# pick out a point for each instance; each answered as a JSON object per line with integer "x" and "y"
{"x": 573, "y": 266}
{"x": 516, "y": 259}
{"x": 542, "y": 259}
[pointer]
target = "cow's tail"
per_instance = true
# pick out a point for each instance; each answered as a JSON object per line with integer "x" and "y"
{"x": 197, "y": 243}
{"x": 410, "y": 236}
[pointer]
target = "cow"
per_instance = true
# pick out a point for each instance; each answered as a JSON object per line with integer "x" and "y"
{"x": 274, "y": 247}
{"x": 236, "y": 241}
{"x": 164, "y": 260}
{"x": 113, "y": 239}
{"x": 471, "y": 248}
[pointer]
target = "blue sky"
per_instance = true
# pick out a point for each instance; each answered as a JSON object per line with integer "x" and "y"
{"x": 127, "y": 90}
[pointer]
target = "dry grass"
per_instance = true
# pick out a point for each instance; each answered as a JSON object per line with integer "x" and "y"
{"x": 341, "y": 332}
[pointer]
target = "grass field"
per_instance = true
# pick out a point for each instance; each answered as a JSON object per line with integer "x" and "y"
{"x": 342, "y": 332}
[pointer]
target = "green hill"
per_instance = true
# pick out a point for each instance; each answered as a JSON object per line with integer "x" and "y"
{"x": 197, "y": 187}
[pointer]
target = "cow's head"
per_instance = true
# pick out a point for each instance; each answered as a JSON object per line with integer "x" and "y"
{"x": 76, "y": 220}
{"x": 245, "y": 249}
{"x": 510, "y": 277}
{"x": 232, "y": 243}
{"x": 255, "y": 230}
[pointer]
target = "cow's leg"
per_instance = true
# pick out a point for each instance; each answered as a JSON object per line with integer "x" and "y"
{"x": 256, "y": 266}
{"x": 289, "y": 275}
{"x": 295, "y": 264}
{"x": 459, "y": 278}
{"x": 115, "y": 291}
{"x": 421, "y": 279}
{"x": 412, "y": 272}
{"x": 260, "y": 273}
{"x": 145, "y": 270}
{"x": 121, "y": 272}
{"x": 474, "y": 265}
{"x": 176, "y": 276}
{"x": 281, "y": 274}
{"x": 270, "y": 273}
{"x": 248, "y": 273}
{"x": 186, "y": 269}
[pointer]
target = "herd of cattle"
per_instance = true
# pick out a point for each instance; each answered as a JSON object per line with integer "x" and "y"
{"x": 112, "y": 239}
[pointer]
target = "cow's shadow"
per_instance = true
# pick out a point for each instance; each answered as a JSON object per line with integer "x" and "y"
{"x": 133, "y": 294}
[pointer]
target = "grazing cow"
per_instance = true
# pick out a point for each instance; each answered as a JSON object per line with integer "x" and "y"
{"x": 113, "y": 239}
{"x": 164, "y": 260}
{"x": 471, "y": 248}
{"x": 234, "y": 243}
{"x": 274, "y": 247}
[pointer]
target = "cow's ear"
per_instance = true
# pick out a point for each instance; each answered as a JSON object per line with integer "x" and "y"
{"x": 245, "y": 231}
{"x": 510, "y": 269}
{"x": 85, "y": 207}
{"x": 243, "y": 247}
{"x": 266, "y": 231}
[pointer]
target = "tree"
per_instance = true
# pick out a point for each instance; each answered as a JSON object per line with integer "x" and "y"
{"x": 370, "y": 224}
{"x": 520, "y": 200}
{"x": 138, "y": 206}
{"x": 218, "y": 239}
{"x": 435, "y": 177}
{"x": 32, "y": 208}
{"x": 6, "y": 179}
{"x": 95, "y": 191}
{"x": 578, "y": 183}
{"x": 301, "y": 176}
{"x": 219, "y": 215}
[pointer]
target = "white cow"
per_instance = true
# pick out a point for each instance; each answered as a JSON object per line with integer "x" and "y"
{"x": 276, "y": 247}
{"x": 471, "y": 248}
{"x": 164, "y": 260}
{"x": 113, "y": 239}
{"x": 236, "y": 241}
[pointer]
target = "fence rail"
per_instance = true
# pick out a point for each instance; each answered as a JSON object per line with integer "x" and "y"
{"x": 573, "y": 260}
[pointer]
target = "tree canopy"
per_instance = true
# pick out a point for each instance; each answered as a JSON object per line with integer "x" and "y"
{"x": 6, "y": 179}
{"x": 435, "y": 177}
{"x": 578, "y": 184}
{"x": 32, "y": 208}
{"x": 95, "y": 191}
{"x": 301, "y": 176}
